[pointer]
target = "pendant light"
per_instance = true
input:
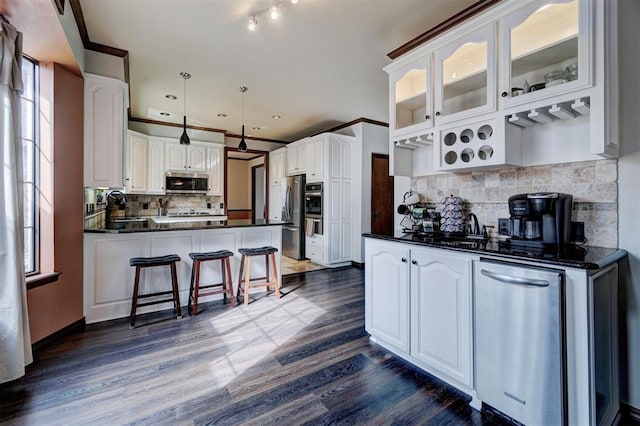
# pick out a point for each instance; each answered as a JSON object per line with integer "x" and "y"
{"x": 242, "y": 147}
{"x": 184, "y": 139}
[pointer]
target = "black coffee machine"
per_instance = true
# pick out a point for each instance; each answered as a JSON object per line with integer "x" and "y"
{"x": 540, "y": 219}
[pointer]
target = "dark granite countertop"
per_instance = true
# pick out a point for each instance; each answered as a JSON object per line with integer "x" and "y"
{"x": 573, "y": 256}
{"x": 151, "y": 226}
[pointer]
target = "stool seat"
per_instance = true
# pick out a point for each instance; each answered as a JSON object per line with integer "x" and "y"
{"x": 154, "y": 261}
{"x": 257, "y": 251}
{"x": 212, "y": 255}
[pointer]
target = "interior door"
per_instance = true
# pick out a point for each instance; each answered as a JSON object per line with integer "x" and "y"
{"x": 381, "y": 195}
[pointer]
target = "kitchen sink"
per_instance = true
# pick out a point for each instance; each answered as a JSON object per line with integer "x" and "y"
{"x": 129, "y": 219}
{"x": 183, "y": 219}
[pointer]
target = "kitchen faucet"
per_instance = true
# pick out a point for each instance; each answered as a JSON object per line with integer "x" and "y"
{"x": 474, "y": 225}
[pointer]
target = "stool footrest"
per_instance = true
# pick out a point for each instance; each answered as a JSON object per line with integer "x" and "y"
{"x": 155, "y": 302}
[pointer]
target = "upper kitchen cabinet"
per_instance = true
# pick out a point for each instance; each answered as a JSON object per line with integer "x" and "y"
{"x": 465, "y": 76}
{"x": 214, "y": 168}
{"x": 315, "y": 154}
{"x": 191, "y": 158}
{"x": 546, "y": 50}
{"x": 136, "y": 163}
{"x": 296, "y": 158}
{"x": 105, "y": 118}
{"x": 410, "y": 97}
{"x": 277, "y": 166}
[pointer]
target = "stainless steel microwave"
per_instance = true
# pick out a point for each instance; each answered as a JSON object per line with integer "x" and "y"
{"x": 180, "y": 182}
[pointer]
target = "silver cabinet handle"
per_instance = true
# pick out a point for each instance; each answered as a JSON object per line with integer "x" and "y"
{"x": 514, "y": 280}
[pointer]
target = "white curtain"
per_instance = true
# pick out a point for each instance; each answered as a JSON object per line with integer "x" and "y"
{"x": 15, "y": 340}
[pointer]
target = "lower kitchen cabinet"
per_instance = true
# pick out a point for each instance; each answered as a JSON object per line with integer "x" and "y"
{"x": 108, "y": 277}
{"x": 418, "y": 304}
{"x": 387, "y": 289}
{"x": 441, "y": 327}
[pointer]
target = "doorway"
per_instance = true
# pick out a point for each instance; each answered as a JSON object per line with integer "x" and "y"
{"x": 258, "y": 192}
{"x": 239, "y": 183}
{"x": 381, "y": 195}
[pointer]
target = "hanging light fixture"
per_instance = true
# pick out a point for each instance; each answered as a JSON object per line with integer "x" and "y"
{"x": 242, "y": 147}
{"x": 184, "y": 139}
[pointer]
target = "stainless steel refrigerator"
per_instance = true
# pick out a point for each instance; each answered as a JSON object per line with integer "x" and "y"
{"x": 293, "y": 211}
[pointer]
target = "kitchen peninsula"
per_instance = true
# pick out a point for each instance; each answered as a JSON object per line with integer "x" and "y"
{"x": 108, "y": 278}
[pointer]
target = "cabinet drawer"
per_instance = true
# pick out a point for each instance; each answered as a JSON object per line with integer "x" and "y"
{"x": 315, "y": 251}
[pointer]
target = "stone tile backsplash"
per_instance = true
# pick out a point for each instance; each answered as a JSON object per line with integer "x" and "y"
{"x": 177, "y": 203}
{"x": 593, "y": 184}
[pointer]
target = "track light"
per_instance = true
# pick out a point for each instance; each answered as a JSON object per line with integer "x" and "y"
{"x": 274, "y": 12}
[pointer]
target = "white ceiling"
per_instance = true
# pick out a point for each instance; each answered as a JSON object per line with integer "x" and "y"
{"x": 318, "y": 66}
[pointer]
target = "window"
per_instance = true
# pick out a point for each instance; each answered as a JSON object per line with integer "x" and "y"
{"x": 30, "y": 154}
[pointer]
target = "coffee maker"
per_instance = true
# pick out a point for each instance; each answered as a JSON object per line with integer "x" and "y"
{"x": 541, "y": 219}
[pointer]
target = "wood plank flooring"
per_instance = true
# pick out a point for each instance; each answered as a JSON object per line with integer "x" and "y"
{"x": 302, "y": 359}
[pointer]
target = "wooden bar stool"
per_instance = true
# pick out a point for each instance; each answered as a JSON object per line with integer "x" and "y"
{"x": 195, "y": 287}
{"x": 247, "y": 253}
{"x": 148, "y": 262}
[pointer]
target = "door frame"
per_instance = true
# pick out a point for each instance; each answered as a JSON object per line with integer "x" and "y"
{"x": 265, "y": 154}
{"x": 265, "y": 208}
{"x": 375, "y": 155}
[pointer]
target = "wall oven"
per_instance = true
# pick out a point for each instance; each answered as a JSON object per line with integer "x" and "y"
{"x": 313, "y": 200}
{"x": 186, "y": 183}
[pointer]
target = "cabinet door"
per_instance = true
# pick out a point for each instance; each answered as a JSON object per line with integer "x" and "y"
{"x": 197, "y": 158}
{"x": 302, "y": 158}
{"x": 441, "y": 312}
{"x": 411, "y": 97}
{"x": 156, "y": 167}
{"x": 136, "y": 163}
{"x": 104, "y": 131}
{"x": 276, "y": 167}
{"x": 387, "y": 293}
{"x": 315, "y": 160}
{"x": 292, "y": 160}
{"x": 546, "y": 49}
{"x": 465, "y": 76}
{"x": 215, "y": 170}
{"x": 175, "y": 156}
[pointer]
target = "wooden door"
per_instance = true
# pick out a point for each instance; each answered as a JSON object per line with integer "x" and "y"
{"x": 381, "y": 195}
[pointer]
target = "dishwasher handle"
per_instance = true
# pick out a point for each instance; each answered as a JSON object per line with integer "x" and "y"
{"x": 515, "y": 280}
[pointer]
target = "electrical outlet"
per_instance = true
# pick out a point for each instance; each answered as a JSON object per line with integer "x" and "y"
{"x": 145, "y": 206}
{"x": 209, "y": 205}
{"x": 222, "y": 205}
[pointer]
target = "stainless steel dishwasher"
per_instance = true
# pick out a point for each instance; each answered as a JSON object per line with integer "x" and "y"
{"x": 519, "y": 335}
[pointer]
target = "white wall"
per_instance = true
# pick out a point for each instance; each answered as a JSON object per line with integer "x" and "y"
{"x": 103, "y": 64}
{"x": 629, "y": 197}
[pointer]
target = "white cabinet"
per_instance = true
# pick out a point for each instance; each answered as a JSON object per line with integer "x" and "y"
{"x": 387, "y": 293}
{"x": 296, "y": 158}
{"x": 136, "y": 163}
{"x": 315, "y": 248}
{"x": 315, "y": 155}
{"x": 338, "y": 209}
{"x": 441, "y": 321}
{"x": 418, "y": 302}
{"x": 277, "y": 166}
{"x": 105, "y": 109}
{"x": 192, "y": 158}
{"x": 465, "y": 75}
{"x": 411, "y": 97}
{"x": 540, "y": 73}
{"x": 277, "y": 183}
{"x": 156, "y": 166}
{"x": 546, "y": 47}
{"x": 214, "y": 167}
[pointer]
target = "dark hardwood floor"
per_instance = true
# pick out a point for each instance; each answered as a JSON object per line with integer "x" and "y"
{"x": 303, "y": 359}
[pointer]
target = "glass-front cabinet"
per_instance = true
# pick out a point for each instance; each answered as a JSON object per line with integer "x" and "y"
{"x": 546, "y": 47}
{"x": 465, "y": 76}
{"x": 411, "y": 97}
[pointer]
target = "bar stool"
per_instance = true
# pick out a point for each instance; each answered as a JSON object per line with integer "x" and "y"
{"x": 195, "y": 287}
{"x": 148, "y": 262}
{"x": 247, "y": 253}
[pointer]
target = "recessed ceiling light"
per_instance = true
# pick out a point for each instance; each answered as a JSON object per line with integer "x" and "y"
{"x": 222, "y": 115}
{"x": 256, "y": 128}
{"x": 276, "y": 117}
{"x": 172, "y": 97}
{"x": 166, "y": 114}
